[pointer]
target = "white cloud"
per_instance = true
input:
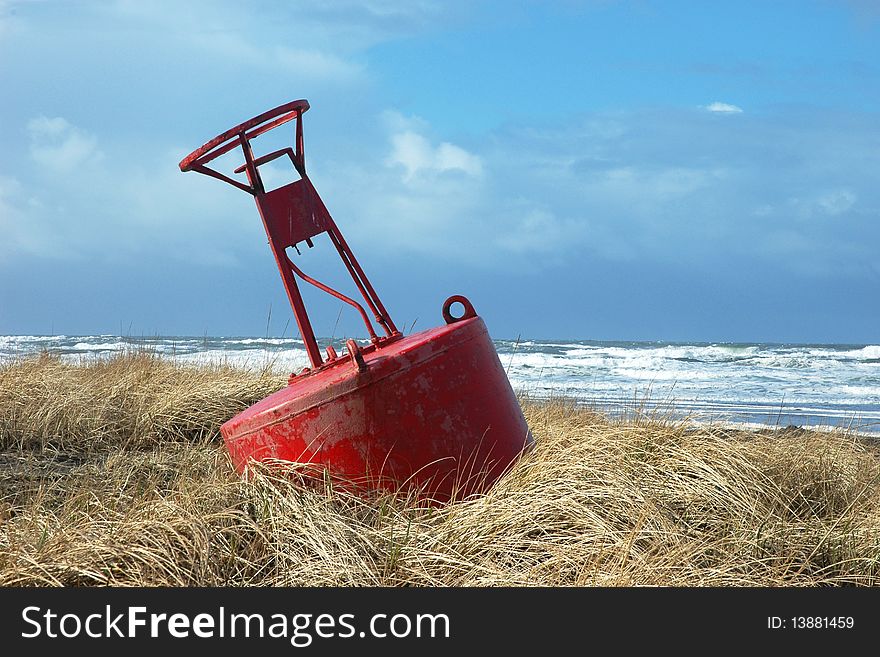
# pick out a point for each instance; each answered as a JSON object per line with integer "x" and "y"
{"x": 539, "y": 230}
{"x": 101, "y": 209}
{"x": 656, "y": 187}
{"x": 10, "y": 217}
{"x": 523, "y": 194}
{"x": 60, "y": 146}
{"x": 423, "y": 195}
{"x": 307, "y": 63}
{"x": 653, "y": 184}
{"x": 723, "y": 108}
{"x": 21, "y": 232}
{"x": 836, "y": 202}
{"x": 6, "y": 18}
{"x": 44, "y": 127}
{"x": 417, "y": 156}
{"x": 315, "y": 40}
{"x": 829, "y": 203}
{"x": 316, "y": 64}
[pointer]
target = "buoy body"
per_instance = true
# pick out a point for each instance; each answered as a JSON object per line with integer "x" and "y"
{"x": 433, "y": 412}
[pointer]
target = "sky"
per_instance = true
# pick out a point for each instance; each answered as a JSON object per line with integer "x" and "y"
{"x": 596, "y": 170}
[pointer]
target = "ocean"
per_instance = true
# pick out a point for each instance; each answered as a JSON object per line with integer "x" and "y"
{"x": 805, "y": 385}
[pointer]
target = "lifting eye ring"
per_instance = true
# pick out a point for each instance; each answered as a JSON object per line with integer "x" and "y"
{"x": 469, "y": 311}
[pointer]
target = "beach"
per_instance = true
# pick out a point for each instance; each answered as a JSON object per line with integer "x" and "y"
{"x": 112, "y": 472}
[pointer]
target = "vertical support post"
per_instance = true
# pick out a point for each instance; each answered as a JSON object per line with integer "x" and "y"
{"x": 300, "y": 150}
{"x": 294, "y": 296}
{"x": 386, "y": 319}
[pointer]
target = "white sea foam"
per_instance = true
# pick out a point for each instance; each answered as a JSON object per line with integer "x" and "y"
{"x": 276, "y": 341}
{"x": 252, "y": 359}
{"x": 872, "y": 352}
{"x": 782, "y": 360}
{"x": 533, "y": 360}
{"x": 28, "y": 339}
{"x": 864, "y": 394}
{"x": 658, "y": 374}
{"x": 868, "y": 352}
{"x": 100, "y": 346}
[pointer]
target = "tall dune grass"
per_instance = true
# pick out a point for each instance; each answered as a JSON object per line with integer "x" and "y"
{"x": 112, "y": 473}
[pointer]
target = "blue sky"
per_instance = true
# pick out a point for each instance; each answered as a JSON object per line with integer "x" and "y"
{"x": 580, "y": 170}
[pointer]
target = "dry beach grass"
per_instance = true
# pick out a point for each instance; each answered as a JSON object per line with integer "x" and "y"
{"x": 112, "y": 473}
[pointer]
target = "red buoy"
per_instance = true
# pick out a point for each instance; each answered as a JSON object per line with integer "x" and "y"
{"x": 432, "y": 412}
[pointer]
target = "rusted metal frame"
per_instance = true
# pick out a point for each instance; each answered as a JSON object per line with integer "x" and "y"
{"x": 300, "y": 161}
{"x": 289, "y": 111}
{"x": 296, "y": 303}
{"x": 264, "y": 159}
{"x": 386, "y": 321}
{"x": 253, "y": 174}
{"x": 239, "y": 135}
{"x": 338, "y": 295}
{"x": 216, "y": 174}
{"x": 299, "y": 312}
{"x": 256, "y": 132}
{"x": 356, "y": 271}
{"x": 213, "y": 155}
{"x": 239, "y": 139}
{"x": 293, "y": 294}
{"x": 334, "y": 238}
{"x": 242, "y": 140}
{"x": 248, "y": 136}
